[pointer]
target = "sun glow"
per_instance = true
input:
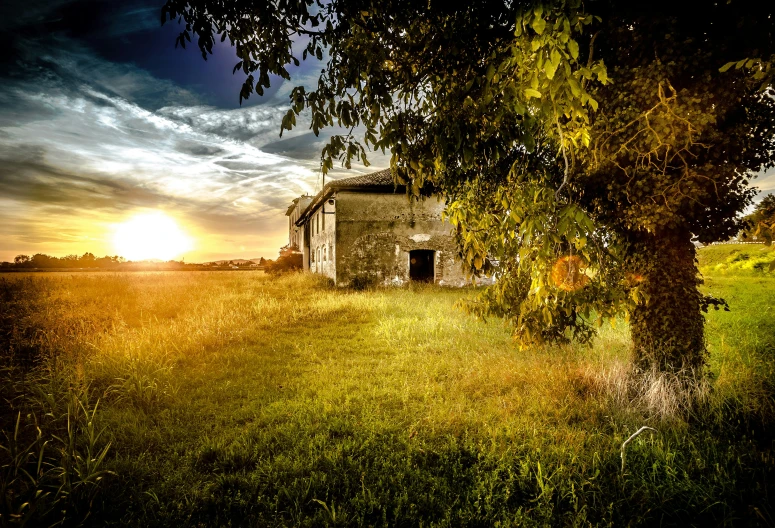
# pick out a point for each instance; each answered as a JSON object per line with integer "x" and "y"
{"x": 151, "y": 236}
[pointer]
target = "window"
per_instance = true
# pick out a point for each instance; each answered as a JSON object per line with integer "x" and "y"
{"x": 323, "y": 219}
{"x": 325, "y": 254}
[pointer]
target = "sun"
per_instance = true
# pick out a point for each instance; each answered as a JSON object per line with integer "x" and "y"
{"x": 151, "y": 236}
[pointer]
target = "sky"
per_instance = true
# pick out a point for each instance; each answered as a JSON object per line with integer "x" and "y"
{"x": 103, "y": 120}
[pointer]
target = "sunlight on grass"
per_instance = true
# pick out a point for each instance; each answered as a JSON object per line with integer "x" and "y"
{"x": 238, "y": 398}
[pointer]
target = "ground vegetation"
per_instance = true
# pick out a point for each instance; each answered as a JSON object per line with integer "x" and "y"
{"x": 210, "y": 398}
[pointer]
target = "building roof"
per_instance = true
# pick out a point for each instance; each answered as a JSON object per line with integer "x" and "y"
{"x": 295, "y": 202}
{"x": 381, "y": 181}
{"x": 291, "y": 207}
{"x": 375, "y": 179}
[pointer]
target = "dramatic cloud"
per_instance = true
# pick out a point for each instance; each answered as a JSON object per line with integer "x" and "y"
{"x": 85, "y": 143}
{"x": 87, "y": 150}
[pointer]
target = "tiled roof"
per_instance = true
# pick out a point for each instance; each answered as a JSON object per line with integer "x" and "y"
{"x": 375, "y": 179}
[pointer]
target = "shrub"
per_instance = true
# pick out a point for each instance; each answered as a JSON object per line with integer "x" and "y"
{"x": 290, "y": 259}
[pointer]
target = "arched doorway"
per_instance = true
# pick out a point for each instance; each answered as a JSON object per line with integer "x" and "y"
{"x": 421, "y": 263}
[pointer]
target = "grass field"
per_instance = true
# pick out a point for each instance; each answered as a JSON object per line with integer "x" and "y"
{"x": 238, "y": 399}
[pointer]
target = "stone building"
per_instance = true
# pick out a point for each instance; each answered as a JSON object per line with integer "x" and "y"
{"x": 294, "y": 211}
{"x": 365, "y": 230}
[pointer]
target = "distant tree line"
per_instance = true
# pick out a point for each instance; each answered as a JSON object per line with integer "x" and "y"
{"x": 41, "y": 261}
{"x": 87, "y": 260}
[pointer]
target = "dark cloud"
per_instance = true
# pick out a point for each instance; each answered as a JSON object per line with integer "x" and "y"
{"x": 306, "y": 146}
{"x": 199, "y": 149}
{"x": 100, "y": 117}
{"x": 18, "y": 110}
{"x": 33, "y": 181}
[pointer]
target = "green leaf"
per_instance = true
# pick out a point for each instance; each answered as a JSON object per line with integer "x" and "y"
{"x": 726, "y": 67}
{"x": 530, "y": 92}
{"x": 573, "y": 48}
{"x": 575, "y": 87}
{"x": 555, "y": 57}
{"x": 550, "y": 68}
{"x": 490, "y": 72}
{"x": 538, "y": 25}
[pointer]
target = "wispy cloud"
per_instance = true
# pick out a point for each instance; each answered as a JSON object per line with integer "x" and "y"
{"x": 79, "y": 145}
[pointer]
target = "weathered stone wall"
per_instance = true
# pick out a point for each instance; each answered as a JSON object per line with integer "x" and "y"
{"x": 376, "y": 231}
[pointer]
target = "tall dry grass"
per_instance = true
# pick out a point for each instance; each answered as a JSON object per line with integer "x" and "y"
{"x": 240, "y": 398}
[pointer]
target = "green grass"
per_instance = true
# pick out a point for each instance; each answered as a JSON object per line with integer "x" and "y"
{"x": 238, "y": 399}
{"x": 736, "y": 258}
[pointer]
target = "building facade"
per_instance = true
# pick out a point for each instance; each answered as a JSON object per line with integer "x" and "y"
{"x": 293, "y": 213}
{"x": 365, "y": 230}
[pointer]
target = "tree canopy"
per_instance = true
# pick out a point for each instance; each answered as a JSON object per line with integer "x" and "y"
{"x": 580, "y": 144}
{"x": 761, "y": 223}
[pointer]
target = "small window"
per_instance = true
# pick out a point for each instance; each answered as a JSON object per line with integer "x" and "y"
{"x": 323, "y": 220}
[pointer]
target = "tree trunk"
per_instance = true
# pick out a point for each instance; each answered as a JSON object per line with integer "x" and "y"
{"x": 668, "y": 330}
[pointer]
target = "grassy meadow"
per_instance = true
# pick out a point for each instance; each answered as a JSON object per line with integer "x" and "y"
{"x": 240, "y": 399}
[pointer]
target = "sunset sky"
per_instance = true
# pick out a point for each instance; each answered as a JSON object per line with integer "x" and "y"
{"x": 103, "y": 121}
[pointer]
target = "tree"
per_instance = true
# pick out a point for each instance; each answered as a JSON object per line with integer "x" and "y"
{"x": 39, "y": 260}
{"x": 290, "y": 259}
{"x": 87, "y": 260}
{"x": 761, "y": 223}
{"x": 584, "y": 169}
{"x": 21, "y": 260}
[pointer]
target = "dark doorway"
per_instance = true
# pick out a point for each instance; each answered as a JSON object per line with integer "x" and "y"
{"x": 421, "y": 265}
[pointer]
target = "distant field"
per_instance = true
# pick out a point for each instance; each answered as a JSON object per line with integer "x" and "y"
{"x": 735, "y": 258}
{"x": 247, "y": 400}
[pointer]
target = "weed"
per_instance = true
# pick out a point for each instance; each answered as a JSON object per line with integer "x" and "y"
{"x": 50, "y": 477}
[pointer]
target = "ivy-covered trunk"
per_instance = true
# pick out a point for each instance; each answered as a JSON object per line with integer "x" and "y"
{"x": 668, "y": 329}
